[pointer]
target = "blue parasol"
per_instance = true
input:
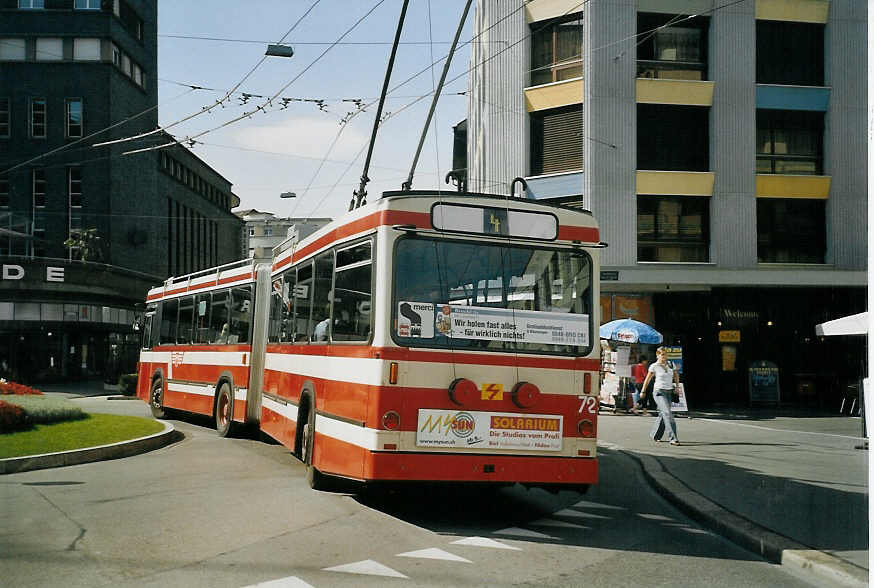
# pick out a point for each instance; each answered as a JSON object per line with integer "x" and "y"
{"x": 630, "y": 331}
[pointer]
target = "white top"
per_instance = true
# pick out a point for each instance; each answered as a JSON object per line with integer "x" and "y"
{"x": 664, "y": 375}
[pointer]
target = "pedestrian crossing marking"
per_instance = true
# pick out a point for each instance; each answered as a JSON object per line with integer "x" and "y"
{"x": 484, "y": 542}
{"x": 569, "y": 512}
{"x": 519, "y": 532}
{"x": 654, "y": 517}
{"x": 367, "y": 567}
{"x": 434, "y": 553}
{"x": 289, "y": 582}
{"x": 589, "y": 504}
{"x": 556, "y": 523}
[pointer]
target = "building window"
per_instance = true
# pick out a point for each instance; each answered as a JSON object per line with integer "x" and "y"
{"x": 38, "y": 118}
{"x": 87, "y": 5}
{"x": 790, "y": 230}
{"x": 125, "y": 64}
{"x": 74, "y": 206}
{"x": 116, "y": 56}
{"x": 673, "y": 138}
{"x": 12, "y": 49}
{"x": 137, "y": 75}
{"x": 671, "y": 52}
{"x": 116, "y": 7}
{"x": 73, "y": 114}
{"x": 790, "y": 53}
{"x": 557, "y": 140}
{"x": 39, "y": 188}
{"x": 4, "y": 193}
{"x": 673, "y": 228}
{"x": 86, "y": 49}
{"x": 789, "y": 142}
{"x": 49, "y": 49}
{"x": 268, "y": 231}
{"x": 31, "y": 4}
{"x": 557, "y": 50}
{"x": 251, "y": 231}
{"x": 4, "y": 117}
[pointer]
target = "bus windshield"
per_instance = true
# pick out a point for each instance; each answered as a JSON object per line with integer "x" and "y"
{"x": 492, "y": 296}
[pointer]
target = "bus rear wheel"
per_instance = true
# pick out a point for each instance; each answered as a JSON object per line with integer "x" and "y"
{"x": 315, "y": 478}
{"x": 156, "y": 399}
{"x": 224, "y": 411}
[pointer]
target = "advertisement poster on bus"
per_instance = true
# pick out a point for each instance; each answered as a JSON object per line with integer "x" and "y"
{"x": 488, "y": 430}
{"x": 525, "y": 326}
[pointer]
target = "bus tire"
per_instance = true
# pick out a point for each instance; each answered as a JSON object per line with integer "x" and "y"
{"x": 156, "y": 399}
{"x": 315, "y": 478}
{"x": 224, "y": 410}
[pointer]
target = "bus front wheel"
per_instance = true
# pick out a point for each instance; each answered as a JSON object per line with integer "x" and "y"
{"x": 156, "y": 399}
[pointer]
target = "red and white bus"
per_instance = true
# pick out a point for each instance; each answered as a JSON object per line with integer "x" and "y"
{"x": 425, "y": 336}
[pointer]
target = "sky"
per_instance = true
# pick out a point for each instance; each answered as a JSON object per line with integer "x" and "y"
{"x": 290, "y": 150}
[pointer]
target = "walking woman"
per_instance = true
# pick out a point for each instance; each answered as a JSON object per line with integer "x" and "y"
{"x": 665, "y": 378}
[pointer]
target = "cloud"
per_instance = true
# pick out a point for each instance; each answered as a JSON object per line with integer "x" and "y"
{"x": 303, "y": 137}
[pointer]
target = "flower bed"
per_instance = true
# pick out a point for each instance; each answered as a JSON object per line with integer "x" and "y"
{"x": 7, "y": 387}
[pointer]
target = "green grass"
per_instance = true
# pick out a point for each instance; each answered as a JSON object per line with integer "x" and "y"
{"x": 94, "y": 429}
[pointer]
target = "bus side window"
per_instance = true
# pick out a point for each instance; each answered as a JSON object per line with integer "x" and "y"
{"x": 201, "y": 318}
{"x": 147, "y": 328}
{"x": 288, "y": 289}
{"x": 276, "y": 311}
{"x": 186, "y": 319}
{"x": 320, "y": 323}
{"x": 241, "y": 313}
{"x": 303, "y": 295}
{"x": 218, "y": 318}
{"x": 169, "y": 321}
{"x": 352, "y": 294}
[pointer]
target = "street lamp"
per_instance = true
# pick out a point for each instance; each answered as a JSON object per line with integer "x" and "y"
{"x": 288, "y": 195}
{"x": 279, "y": 50}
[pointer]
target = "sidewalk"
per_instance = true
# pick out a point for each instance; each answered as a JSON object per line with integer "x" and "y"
{"x": 791, "y": 488}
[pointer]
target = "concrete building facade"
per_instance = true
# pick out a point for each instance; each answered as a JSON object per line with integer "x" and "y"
{"x": 722, "y": 149}
{"x": 85, "y": 231}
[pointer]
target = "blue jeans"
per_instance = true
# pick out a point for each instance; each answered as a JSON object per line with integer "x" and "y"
{"x": 665, "y": 419}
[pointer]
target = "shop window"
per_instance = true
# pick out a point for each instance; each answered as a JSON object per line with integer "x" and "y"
{"x": 4, "y": 116}
{"x": 38, "y": 118}
{"x": 49, "y": 49}
{"x": 557, "y": 140}
{"x": 673, "y": 228}
{"x": 790, "y": 230}
{"x": 790, "y": 53}
{"x": 789, "y": 142}
{"x": 673, "y": 138}
{"x": 73, "y": 118}
{"x": 556, "y": 50}
{"x": 677, "y": 52}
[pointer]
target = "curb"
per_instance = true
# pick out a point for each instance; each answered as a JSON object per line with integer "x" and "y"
{"x": 12, "y": 465}
{"x": 770, "y": 545}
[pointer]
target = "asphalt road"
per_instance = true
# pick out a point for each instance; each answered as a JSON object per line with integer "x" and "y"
{"x": 237, "y": 512}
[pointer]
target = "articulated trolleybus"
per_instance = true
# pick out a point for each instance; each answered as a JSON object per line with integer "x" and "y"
{"x": 423, "y": 337}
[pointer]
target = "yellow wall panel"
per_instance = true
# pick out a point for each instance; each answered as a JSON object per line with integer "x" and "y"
{"x": 554, "y": 95}
{"x": 793, "y": 10}
{"x": 782, "y": 186}
{"x": 685, "y": 92}
{"x": 539, "y": 10}
{"x": 676, "y": 183}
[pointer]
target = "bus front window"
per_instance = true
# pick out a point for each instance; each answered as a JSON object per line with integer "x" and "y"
{"x": 491, "y": 296}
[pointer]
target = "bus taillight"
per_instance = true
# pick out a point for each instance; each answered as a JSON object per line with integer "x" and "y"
{"x": 391, "y": 421}
{"x": 462, "y": 390}
{"x": 525, "y": 394}
{"x": 586, "y": 428}
{"x": 393, "y": 373}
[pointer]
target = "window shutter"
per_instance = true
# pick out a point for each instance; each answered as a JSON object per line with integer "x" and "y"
{"x": 557, "y": 140}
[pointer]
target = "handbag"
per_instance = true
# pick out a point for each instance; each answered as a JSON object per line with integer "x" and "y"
{"x": 675, "y": 395}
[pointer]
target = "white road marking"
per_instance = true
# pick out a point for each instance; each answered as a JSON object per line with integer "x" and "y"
{"x": 588, "y": 504}
{"x": 555, "y": 523}
{"x": 367, "y": 567}
{"x": 434, "y": 553}
{"x": 290, "y": 582}
{"x": 569, "y": 512}
{"x": 773, "y": 430}
{"x": 519, "y": 532}
{"x": 654, "y": 517}
{"x": 485, "y": 542}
